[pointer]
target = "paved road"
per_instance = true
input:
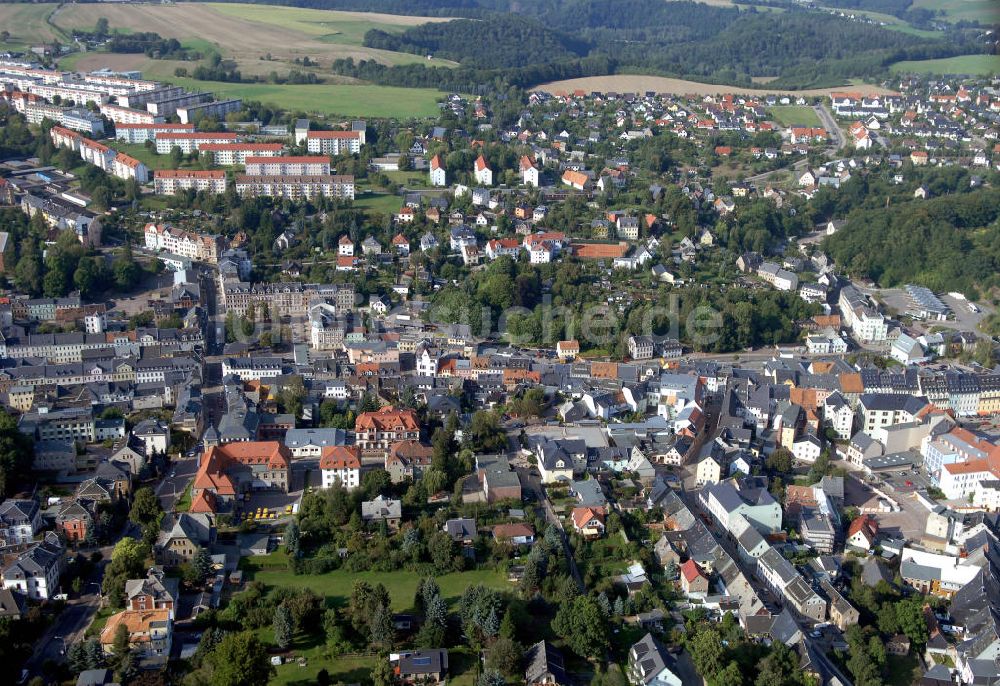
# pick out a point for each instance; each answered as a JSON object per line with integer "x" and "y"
{"x": 172, "y": 487}
{"x": 533, "y": 483}
{"x": 67, "y": 629}
{"x": 830, "y": 124}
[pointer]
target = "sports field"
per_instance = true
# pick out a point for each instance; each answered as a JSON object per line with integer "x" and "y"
{"x": 963, "y": 64}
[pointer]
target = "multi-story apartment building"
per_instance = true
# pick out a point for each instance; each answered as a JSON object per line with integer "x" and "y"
{"x": 295, "y": 187}
{"x": 128, "y": 115}
{"x": 335, "y": 142}
{"x": 377, "y": 431}
{"x": 82, "y": 120}
{"x": 173, "y": 181}
{"x": 194, "y": 246}
{"x": 341, "y": 464}
{"x": 35, "y": 572}
{"x": 20, "y": 520}
{"x": 127, "y": 167}
{"x": 120, "y": 79}
{"x": 213, "y": 110}
{"x": 140, "y": 133}
{"x": 190, "y": 142}
{"x": 876, "y": 410}
{"x": 166, "y": 106}
{"x": 97, "y": 154}
{"x": 864, "y": 320}
{"x": 252, "y": 368}
{"x": 302, "y": 165}
{"x": 229, "y": 154}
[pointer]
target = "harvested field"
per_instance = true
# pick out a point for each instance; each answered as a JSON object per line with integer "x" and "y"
{"x": 253, "y": 31}
{"x": 632, "y": 83}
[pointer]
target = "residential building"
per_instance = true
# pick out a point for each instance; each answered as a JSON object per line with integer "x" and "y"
{"x": 427, "y": 666}
{"x": 295, "y": 187}
{"x": 341, "y": 464}
{"x": 20, "y": 520}
{"x": 335, "y": 142}
{"x": 227, "y": 471}
{"x": 172, "y": 181}
{"x": 648, "y": 664}
{"x": 149, "y": 632}
{"x": 375, "y": 432}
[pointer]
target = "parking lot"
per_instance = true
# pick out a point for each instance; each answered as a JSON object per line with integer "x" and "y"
{"x": 963, "y": 319}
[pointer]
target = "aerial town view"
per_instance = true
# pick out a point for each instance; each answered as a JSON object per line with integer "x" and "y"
{"x": 499, "y": 343}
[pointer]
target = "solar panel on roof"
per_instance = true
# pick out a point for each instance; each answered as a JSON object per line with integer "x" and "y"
{"x": 422, "y": 661}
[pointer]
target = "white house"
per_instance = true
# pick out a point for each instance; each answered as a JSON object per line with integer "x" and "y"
{"x": 439, "y": 177}
{"x": 341, "y": 464}
{"x": 482, "y": 172}
{"x": 529, "y": 172}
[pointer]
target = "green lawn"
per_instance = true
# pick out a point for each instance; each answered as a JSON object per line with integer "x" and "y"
{"x": 963, "y": 64}
{"x": 100, "y": 620}
{"x": 795, "y": 115}
{"x": 401, "y": 585}
{"x": 183, "y": 503}
{"x": 344, "y": 100}
{"x": 378, "y": 202}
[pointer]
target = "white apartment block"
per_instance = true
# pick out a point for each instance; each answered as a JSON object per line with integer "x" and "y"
{"x": 127, "y": 167}
{"x": 82, "y": 120}
{"x": 140, "y": 133}
{"x": 216, "y": 110}
{"x": 229, "y": 154}
{"x": 184, "y": 243}
{"x": 77, "y": 94}
{"x": 295, "y": 187}
{"x": 867, "y": 323}
{"x": 117, "y": 80}
{"x": 97, "y": 154}
{"x": 127, "y": 115}
{"x": 304, "y": 165}
{"x": 166, "y": 105}
{"x": 38, "y": 111}
{"x": 172, "y": 181}
{"x": 335, "y": 142}
{"x": 190, "y": 142}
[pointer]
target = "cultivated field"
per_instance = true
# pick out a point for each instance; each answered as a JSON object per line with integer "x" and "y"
{"x": 253, "y": 31}
{"x": 26, "y": 24}
{"x": 260, "y": 39}
{"x": 963, "y": 64}
{"x": 631, "y": 83}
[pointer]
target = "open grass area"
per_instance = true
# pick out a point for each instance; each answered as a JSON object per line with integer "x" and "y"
{"x": 401, "y": 585}
{"x": 795, "y": 115}
{"x": 983, "y": 11}
{"x": 889, "y": 22}
{"x": 963, "y": 64}
{"x": 378, "y": 202}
